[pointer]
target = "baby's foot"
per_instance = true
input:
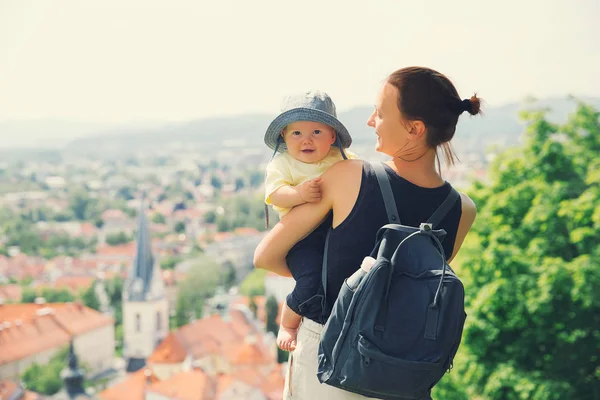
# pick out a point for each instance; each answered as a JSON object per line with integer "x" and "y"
{"x": 286, "y": 338}
{"x": 367, "y": 264}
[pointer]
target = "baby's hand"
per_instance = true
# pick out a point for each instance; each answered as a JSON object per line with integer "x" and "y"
{"x": 310, "y": 191}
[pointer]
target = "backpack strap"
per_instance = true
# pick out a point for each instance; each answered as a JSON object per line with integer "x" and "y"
{"x": 443, "y": 209}
{"x": 390, "y": 207}
{"x": 386, "y": 193}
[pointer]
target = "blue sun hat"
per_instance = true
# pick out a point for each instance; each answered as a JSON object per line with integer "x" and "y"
{"x": 315, "y": 106}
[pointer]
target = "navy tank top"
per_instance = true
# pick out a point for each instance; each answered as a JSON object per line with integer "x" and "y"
{"x": 354, "y": 238}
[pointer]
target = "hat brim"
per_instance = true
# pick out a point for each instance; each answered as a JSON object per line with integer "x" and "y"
{"x": 273, "y": 134}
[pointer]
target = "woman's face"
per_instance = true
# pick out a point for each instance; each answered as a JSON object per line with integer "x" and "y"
{"x": 389, "y": 124}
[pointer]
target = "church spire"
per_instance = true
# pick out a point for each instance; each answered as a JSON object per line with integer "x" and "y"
{"x": 139, "y": 282}
{"x": 72, "y": 376}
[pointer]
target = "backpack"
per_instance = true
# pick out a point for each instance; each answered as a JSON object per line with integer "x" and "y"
{"x": 393, "y": 331}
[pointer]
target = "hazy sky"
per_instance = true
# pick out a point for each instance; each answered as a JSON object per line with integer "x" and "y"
{"x": 139, "y": 60}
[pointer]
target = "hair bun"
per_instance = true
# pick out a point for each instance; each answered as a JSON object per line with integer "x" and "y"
{"x": 472, "y": 105}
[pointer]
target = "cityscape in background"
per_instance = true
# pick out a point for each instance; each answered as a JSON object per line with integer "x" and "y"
{"x": 141, "y": 258}
{"x": 132, "y": 167}
{"x": 127, "y": 274}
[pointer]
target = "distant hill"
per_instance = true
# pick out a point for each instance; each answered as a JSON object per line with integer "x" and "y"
{"x": 499, "y": 125}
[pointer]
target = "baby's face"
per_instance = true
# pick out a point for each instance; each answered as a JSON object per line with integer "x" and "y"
{"x": 308, "y": 141}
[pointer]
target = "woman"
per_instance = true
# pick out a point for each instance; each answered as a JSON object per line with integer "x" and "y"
{"x": 415, "y": 114}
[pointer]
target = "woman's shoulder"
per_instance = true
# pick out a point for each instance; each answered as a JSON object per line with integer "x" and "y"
{"x": 341, "y": 179}
{"x": 342, "y": 170}
{"x": 469, "y": 210}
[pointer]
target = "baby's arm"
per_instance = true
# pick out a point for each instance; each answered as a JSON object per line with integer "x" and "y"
{"x": 290, "y": 196}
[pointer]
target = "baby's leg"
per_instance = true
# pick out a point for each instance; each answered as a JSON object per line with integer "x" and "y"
{"x": 288, "y": 329}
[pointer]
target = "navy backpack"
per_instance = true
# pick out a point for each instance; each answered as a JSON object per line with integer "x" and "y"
{"x": 393, "y": 332}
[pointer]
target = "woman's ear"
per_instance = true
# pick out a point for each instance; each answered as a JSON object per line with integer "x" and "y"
{"x": 417, "y": 130}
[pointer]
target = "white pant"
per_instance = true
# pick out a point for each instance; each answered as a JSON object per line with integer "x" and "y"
{"x": 301, "y": 378}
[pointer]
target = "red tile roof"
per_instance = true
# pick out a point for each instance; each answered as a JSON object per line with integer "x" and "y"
{"x": 169, "y": 351}
{"x": 132, "y": 388}
{"x": 9, "y": 389}
{"x": 271, "y": 385}
{"x": 246, "y": 353}
{"x": 73, "y": 283}
{"x": 27, "y": 329}
{"x": 113, "y": 214}
{"x": 214, "y": 335}
{"x": 10, "y": 293}
{"x": 127, "y": 250}
{"x": 188, "y": 385}
{"x": 88, "y": 229}
{"x": 24, "y": 338}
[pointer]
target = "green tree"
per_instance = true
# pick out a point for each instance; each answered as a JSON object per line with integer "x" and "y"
{"x": 253, "y": 306}
{"x": 22, "y": 233}
{"x": 210, "y": 217}
{"x": 26, "y": 281}
{"x": 169, "y": 262}
{"x": 57, "y": 295}
{"x": 271, "y": 311}
{"x": 256, "y": 178}
{"x": 81, "y": 204}
{"x": 115, "y": 239}
{"x": 119, "y": 338}
{"x": 50, "y": 295}
{"x": 89, "y": 298}
{"x": 181, "y": 313}
{"x": 180, "y": 227}
{"x": 229, "y": 275}
{"x": 201, "y": 281}
{"x": 114, "y": 290}
{"x": 531, "y": 267}
{"x": 158, "y": 218}
{"x": 240, "y": 183}
{"x": 28, "y": 295}
{"x": 125, "y": 193}
{"x": 254, "y": 283}
{"x": 242, "y": 211}
{"x": 216, "y": 182}
{"x": 46, "y": 379}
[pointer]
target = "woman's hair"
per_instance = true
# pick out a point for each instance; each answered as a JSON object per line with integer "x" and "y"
{"x": 428, "y": 96}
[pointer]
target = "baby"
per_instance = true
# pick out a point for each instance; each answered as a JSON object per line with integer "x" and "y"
{"x": 310, "y": 139}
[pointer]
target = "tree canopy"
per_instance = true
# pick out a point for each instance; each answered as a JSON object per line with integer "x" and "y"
{"x": 531, "y": 267}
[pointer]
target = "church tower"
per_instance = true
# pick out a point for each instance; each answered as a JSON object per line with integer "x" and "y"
{"x": 145, "y": 306}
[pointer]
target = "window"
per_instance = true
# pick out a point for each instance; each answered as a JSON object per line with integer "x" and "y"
{"x": 158, "y": 321}
{"x": 138, "y": 322}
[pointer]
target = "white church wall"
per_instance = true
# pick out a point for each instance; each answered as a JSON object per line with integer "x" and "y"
{"x": 141, "y": 332}
{"x": 96, "y": 348}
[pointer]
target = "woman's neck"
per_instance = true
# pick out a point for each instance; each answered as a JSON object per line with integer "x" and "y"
{"x": 420, "y": 171}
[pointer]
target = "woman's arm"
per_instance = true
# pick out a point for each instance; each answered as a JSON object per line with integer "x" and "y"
{"x": 339, "y": 185}
{"x": 469, "y": 211}
{"x": 293, "y": 227}
{"x": 299, "y": 222}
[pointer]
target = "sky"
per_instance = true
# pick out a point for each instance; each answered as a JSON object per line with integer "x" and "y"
{"x": 119, "y": 61}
